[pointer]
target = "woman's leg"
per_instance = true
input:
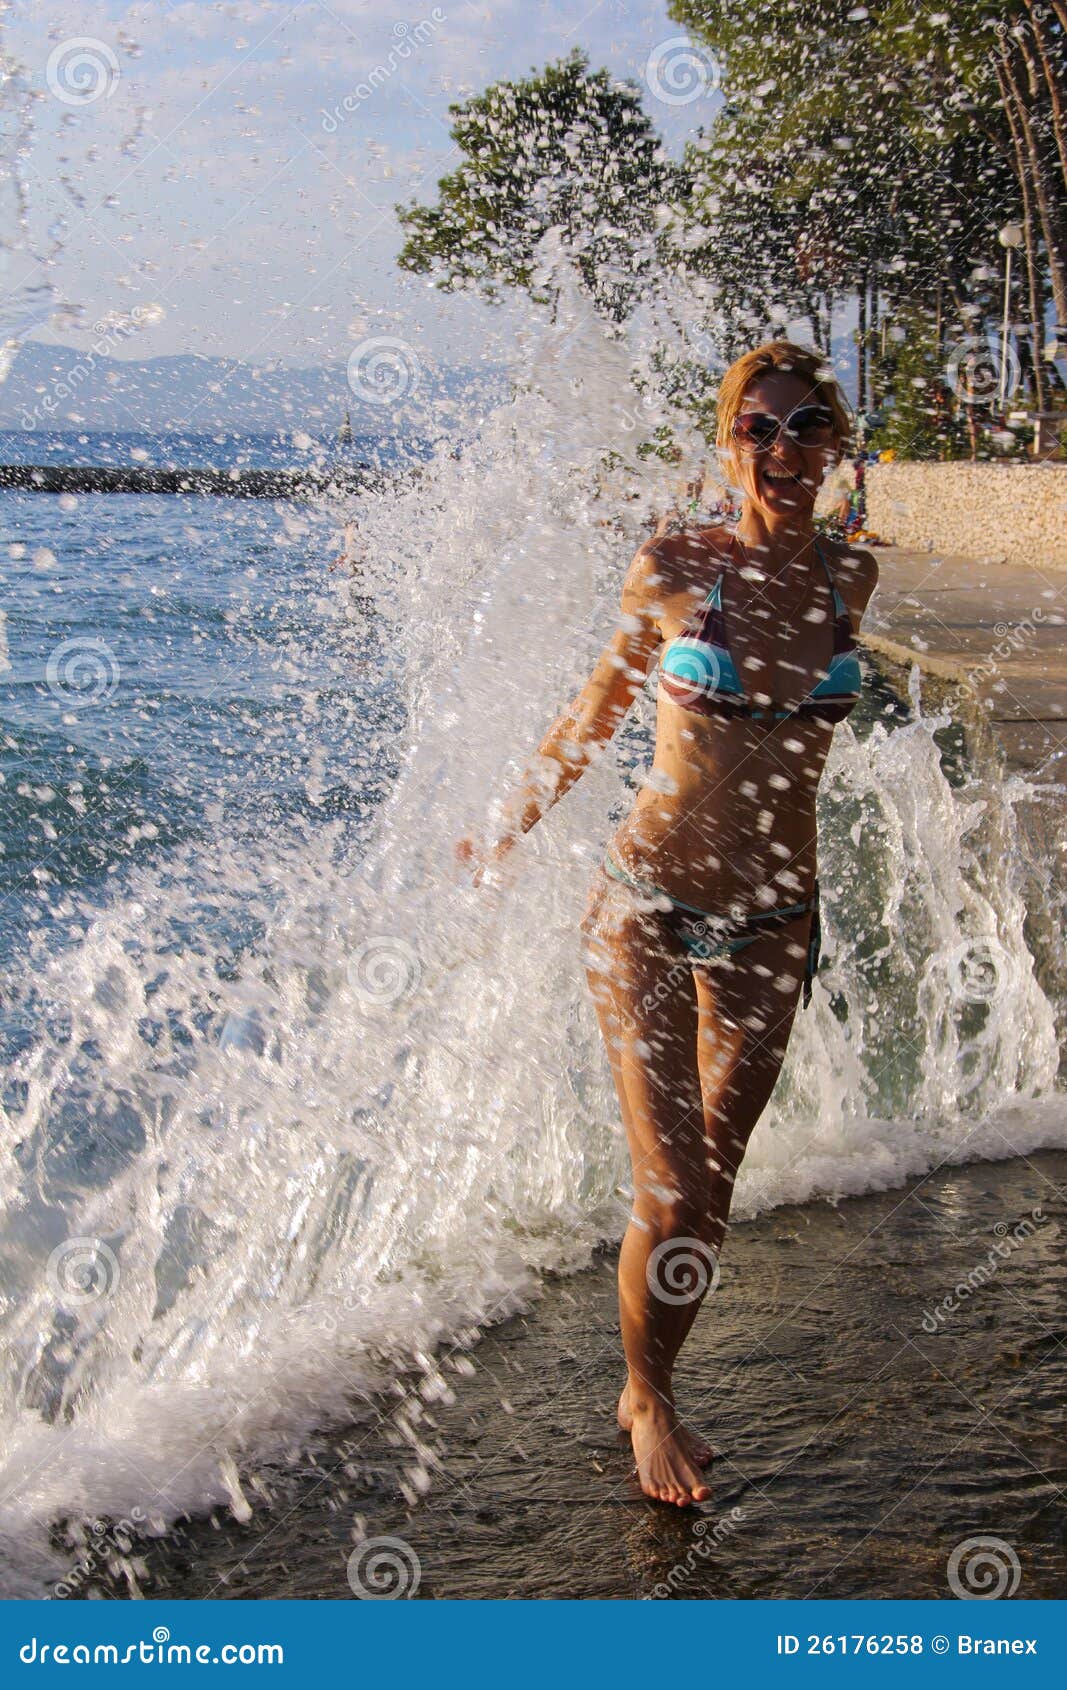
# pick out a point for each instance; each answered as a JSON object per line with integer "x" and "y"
{"x": 747, "y": 1006}
{"x": 646, "y": 1002}
{"x": 695, "y": 1056}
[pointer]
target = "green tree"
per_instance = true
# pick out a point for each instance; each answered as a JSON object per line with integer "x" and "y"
{"x": 925, "y": 420}
{"x": 566, "y": 149}
{"x": 868, "y": 151}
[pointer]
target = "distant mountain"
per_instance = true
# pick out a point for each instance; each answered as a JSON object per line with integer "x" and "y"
{"x": 55, "y": 387}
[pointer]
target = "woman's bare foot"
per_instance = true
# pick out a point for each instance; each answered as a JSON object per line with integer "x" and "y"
{"x": 665, "y": 1468}
{"x": 696, "y": 1447}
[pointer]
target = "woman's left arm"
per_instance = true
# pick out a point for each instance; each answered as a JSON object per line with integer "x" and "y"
{"x": 856, "y": 573}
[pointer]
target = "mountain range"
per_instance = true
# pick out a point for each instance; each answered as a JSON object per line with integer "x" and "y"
{"x": 58, "y": 387}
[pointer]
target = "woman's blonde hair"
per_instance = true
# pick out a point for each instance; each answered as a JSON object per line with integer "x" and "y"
{"x": 810, "y": 366}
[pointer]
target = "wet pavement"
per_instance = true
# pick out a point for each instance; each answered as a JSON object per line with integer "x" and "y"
{"x": 870, "y": 1417}
{"x": 1000, "y": 627}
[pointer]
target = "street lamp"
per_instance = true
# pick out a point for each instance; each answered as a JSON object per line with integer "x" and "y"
{"x": 1010, "y": 237}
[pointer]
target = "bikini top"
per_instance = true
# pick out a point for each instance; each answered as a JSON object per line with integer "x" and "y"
{"x": 698, "y": 673}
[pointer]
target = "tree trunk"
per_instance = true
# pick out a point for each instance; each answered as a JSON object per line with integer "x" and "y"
{"x": 1039, "y": 28}
{"x": 861, "y": 347}
{"x": 875, "y": 334}
{"x": 1033, "y": 271}
{"x": 1034, "y": 165}
{"x": 1035, "y": 282}
{"x": 1036, "y": 288}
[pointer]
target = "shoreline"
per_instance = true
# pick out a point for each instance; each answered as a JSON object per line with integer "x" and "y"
{"x": 868, "y": 1416}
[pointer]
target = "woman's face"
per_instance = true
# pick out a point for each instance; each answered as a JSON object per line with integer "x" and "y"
{"x": 783, "y": 478}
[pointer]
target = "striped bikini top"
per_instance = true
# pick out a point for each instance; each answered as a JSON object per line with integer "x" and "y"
{"x": 698, "y": 673}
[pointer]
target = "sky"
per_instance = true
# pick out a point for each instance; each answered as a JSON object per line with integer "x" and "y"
{"x": 229, "y": 168}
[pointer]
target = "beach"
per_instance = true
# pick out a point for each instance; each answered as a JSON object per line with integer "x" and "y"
{"x": 868, "y": 1416}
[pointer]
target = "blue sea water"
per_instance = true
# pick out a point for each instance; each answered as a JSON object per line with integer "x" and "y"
{"x": 197, "y": 449}
{"x": 170, "y": 662}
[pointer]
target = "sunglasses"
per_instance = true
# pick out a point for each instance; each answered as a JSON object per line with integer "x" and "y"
{"x": 808, "y": 425}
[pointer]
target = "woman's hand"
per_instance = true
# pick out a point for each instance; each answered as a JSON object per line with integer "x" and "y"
{"x": 476, "y": 857}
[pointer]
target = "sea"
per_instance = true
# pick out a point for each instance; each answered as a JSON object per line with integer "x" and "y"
{"x": 291, "y": 1113}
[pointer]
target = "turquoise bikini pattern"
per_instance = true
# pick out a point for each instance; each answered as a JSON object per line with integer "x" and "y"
{"x": 698, "y": 673}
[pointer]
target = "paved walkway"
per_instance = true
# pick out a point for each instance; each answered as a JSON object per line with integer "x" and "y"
{"x": 1001, "y": 627}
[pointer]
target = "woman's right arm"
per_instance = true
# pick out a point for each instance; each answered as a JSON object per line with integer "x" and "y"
{"x": 594, "y": 714}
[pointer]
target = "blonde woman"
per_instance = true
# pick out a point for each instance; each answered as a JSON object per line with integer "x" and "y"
{"x": 702, "y": 925}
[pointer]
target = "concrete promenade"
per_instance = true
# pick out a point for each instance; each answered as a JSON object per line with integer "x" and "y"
{"x": 999, "y": 628}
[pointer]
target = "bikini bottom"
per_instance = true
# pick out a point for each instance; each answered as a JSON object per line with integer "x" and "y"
{"x": 706, "y": 936}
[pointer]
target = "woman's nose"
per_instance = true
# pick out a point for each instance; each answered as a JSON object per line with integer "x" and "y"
{"x": 786, "y": 451}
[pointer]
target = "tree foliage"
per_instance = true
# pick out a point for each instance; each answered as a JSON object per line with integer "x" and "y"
{"x": 566, "y": 149}
{"x": 876, "y": 150}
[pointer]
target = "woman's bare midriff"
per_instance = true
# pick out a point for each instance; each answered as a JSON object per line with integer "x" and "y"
{"x": 726, "y": 818}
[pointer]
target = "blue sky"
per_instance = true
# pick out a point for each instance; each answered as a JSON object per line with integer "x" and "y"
{"x": 216, "y": 174}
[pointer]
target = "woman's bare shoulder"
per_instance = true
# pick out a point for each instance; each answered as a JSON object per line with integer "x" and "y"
{"x": 855, "y": 571}
{"x": 673, "y": 562}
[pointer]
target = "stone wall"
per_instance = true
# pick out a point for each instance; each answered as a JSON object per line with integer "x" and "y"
{"x": 1003, "y": 513}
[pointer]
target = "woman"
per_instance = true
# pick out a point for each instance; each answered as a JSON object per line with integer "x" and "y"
{"x": 702, "y": 925}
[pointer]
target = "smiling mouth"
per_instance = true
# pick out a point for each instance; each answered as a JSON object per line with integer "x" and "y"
{"x": 783, "y": 478}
